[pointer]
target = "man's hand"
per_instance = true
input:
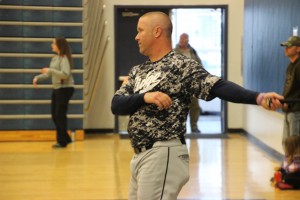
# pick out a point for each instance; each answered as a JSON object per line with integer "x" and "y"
{"x": 270, "y": 101}
{"x": 161, "y": 100}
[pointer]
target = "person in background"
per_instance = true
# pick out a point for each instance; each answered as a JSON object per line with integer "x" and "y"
{"x": 184, "y": 48}
{"x": 291, "y": 89}
{"x": 290, "y": 167}
{"x": 157, "y": 97}
{"x": 63, "y": 88}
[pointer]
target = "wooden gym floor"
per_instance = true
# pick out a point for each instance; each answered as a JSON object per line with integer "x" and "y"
{"x": 97, "y": 168}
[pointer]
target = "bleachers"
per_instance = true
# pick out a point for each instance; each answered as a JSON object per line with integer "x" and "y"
{"x": 27, "y": 29}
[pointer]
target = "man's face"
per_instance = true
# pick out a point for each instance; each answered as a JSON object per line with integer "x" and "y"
{"x": 292, "y": 51}
{"x": 184, "y": 40}
{"x": 144, "y": 36}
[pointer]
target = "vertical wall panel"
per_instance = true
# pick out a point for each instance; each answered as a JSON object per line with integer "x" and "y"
{"x": 267, "y": 23}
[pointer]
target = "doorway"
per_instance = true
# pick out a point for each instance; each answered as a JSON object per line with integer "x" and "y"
{"x": 207, "y": 36}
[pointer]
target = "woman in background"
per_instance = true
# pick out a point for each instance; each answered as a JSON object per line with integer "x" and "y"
{"x": 63, "y": 88}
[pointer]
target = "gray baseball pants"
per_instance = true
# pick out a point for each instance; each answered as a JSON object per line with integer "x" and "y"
{"x": 160, "y": 172}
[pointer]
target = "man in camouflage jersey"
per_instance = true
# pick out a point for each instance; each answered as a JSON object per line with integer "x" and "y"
{"x": 157, "y": 98}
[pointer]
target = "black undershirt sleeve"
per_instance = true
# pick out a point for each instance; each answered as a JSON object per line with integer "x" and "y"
{"x": 229, "y": 91}
{"x": 126, "y": 105}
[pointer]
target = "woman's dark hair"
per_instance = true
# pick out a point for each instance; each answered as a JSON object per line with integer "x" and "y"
{"x": 292, "y": 147}
{"x": 64, "y": 49}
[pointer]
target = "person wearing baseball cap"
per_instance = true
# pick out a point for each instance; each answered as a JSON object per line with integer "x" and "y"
{"x": 292, "y": 41}
{"x": 292, "y": 87}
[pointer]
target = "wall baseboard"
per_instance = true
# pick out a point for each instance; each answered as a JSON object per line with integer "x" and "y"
{"x": 97, "y": 131}
{"x": 35, "y": 135}
{"x": 264, "y": 147}
{"x": 236, "y": 130}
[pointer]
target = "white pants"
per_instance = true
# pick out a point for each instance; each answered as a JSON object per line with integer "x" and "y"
{"x": 159, "y": 173}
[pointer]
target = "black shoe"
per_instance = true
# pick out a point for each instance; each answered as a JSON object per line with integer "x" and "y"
{"x": 57, "y": 145}
{"x": 196, "y": 130}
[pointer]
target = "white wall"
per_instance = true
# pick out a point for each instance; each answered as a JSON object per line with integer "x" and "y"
{"x": 239, "y": 116}
{"x": 267, "y": 126}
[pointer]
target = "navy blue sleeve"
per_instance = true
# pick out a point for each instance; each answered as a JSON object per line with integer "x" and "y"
{"x": 126, "y": 105}
{"x": 232, "y": 92}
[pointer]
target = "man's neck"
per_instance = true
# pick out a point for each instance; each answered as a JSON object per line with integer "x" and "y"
{"x": 294, "y": 58}
{"x": 183, "y": 47}
{"x": 160, "y": 51}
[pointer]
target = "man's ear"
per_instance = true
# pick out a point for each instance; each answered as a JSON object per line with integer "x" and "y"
{"x": 157, "y": 31}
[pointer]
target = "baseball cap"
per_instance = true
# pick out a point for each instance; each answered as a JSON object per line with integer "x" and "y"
{"x": 292, "y": 41}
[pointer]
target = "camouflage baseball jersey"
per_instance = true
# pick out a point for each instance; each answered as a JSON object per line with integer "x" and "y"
{"x": 177, "y": 76}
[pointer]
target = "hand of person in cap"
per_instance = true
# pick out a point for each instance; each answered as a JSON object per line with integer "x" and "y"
{"x": 270, "y": 101}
